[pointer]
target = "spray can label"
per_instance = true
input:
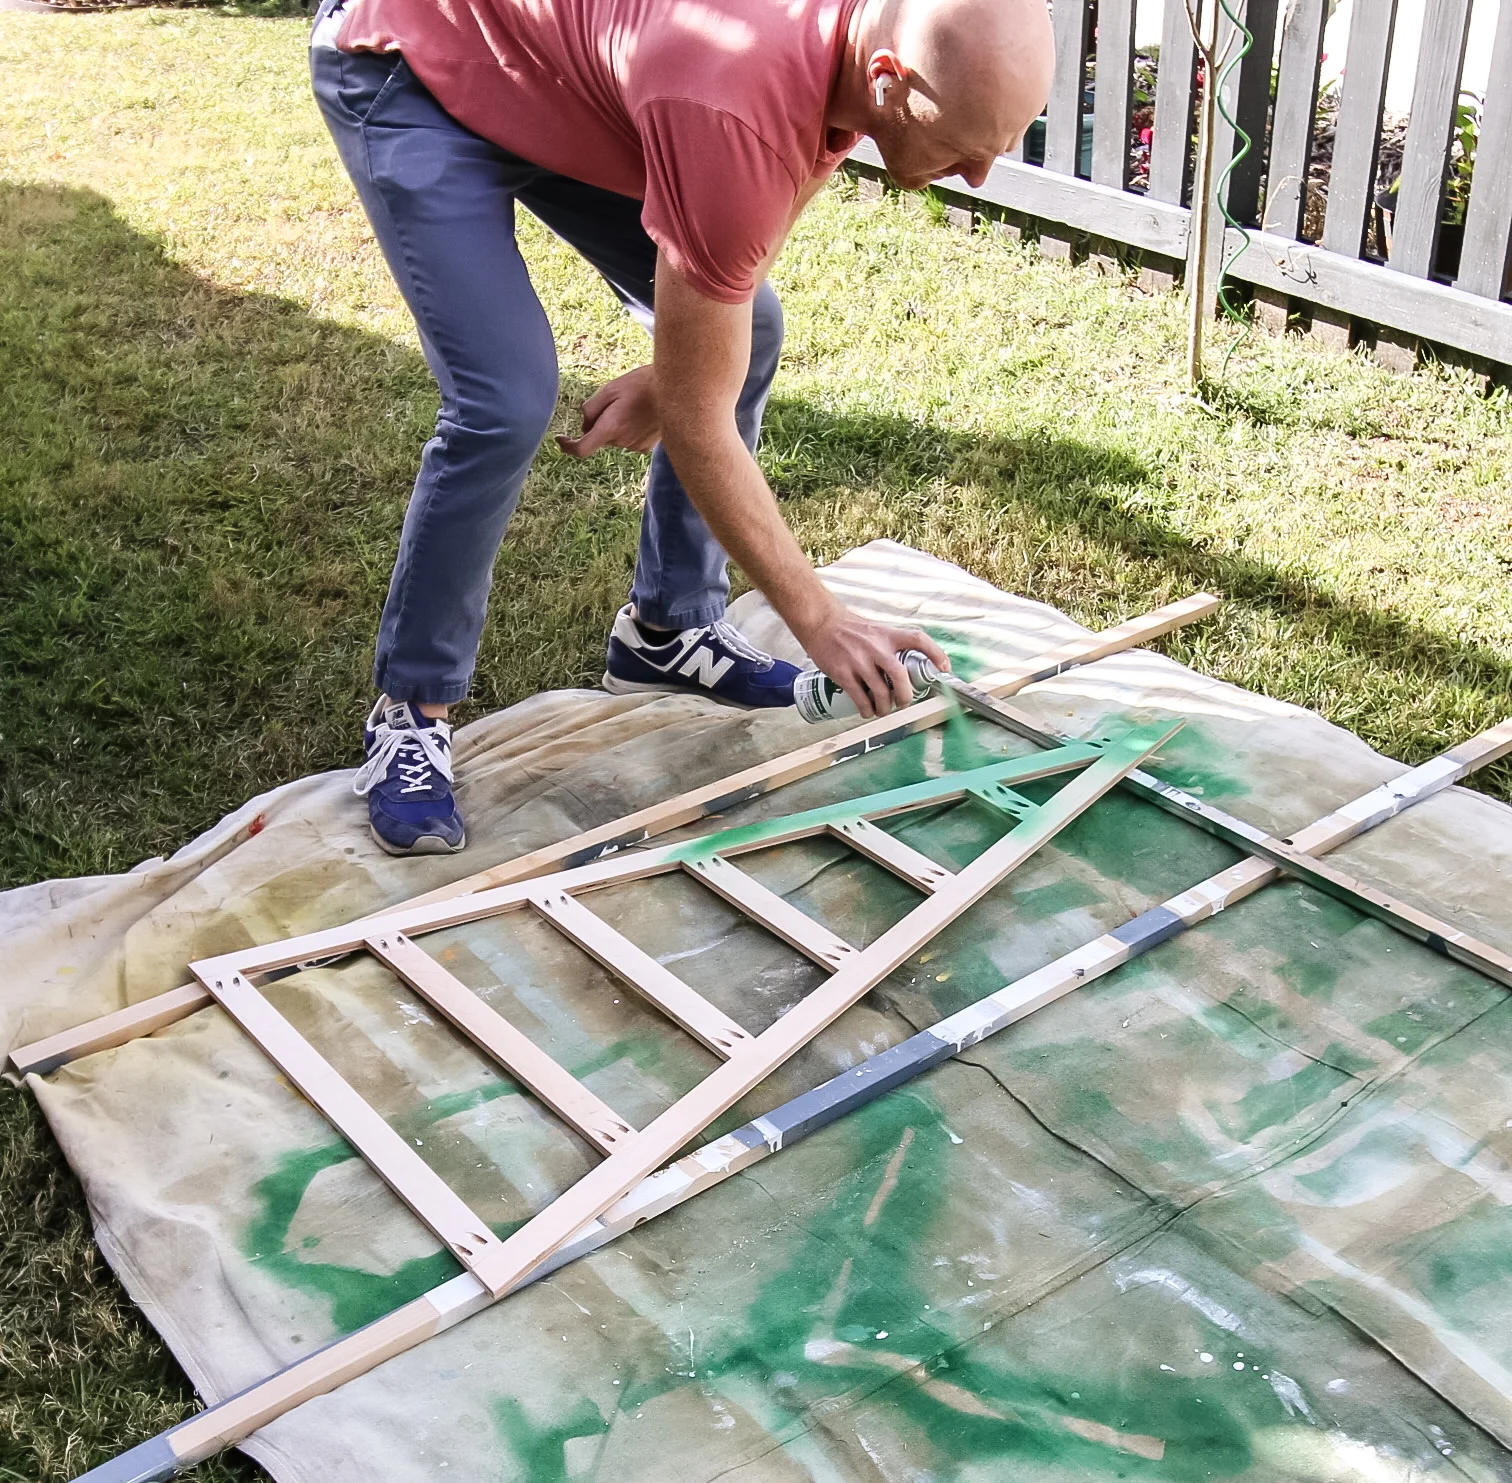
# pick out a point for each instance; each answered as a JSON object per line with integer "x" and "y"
{"x": 818, "y": 698}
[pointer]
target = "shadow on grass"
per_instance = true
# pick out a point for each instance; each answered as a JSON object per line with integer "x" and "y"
{"x": 200, "y": 497}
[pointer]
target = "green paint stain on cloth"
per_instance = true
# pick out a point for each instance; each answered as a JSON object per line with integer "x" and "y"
{"x": 541, "y": 1447}
{"x": 356, "y": 1297}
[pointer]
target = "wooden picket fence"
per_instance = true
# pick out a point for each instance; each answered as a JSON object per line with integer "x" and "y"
{"x": 1344, "y": 288}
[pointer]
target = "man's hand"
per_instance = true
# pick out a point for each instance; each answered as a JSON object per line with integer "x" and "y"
{"x": 862, "y": 657}
{"x": 620, "y": 414}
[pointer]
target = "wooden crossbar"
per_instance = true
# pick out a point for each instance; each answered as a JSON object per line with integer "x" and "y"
{"x": 890, "y": 852}
{"x": 557, "y": 1087}
{"x": 778, "y": 915}
{"x": 463, "y": 1231}
{"x": 631, "y": 965}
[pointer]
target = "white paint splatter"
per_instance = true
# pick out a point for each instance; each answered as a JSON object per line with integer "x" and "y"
{"x": 1289, "y": 1393}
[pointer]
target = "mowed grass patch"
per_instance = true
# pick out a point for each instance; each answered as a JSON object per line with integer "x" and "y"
{"x": 211, "y": 407}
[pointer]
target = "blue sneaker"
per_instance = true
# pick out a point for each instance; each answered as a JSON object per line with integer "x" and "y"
{"x": 407, "y": 780}
{"x": 712, "y": 660}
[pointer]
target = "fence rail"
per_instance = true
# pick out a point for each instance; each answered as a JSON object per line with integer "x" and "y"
{"x": 1418, "y": 288}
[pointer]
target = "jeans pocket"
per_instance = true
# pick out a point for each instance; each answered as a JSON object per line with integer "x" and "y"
{"x": 366, "y": 79}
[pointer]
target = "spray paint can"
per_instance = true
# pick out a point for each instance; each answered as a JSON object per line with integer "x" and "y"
{"x": 819, "y": 698}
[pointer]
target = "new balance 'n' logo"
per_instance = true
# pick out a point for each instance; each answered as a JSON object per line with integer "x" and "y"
{"x": 703, "y": 668}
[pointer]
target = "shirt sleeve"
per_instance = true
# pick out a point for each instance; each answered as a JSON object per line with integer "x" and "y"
{"x": 717, "y": 198}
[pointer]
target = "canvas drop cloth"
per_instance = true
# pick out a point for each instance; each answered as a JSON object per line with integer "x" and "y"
{"x": 1239, "y": 1210}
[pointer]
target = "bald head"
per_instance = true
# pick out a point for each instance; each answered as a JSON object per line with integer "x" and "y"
{"x": 945, "y": 86}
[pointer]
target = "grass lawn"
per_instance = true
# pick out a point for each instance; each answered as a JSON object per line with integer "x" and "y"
{"x": 211, "y": 405}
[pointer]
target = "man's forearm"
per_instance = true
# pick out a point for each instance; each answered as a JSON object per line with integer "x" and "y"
{"x": 728, "y": 490}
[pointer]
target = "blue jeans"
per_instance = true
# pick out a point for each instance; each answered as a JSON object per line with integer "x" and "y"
{"x": 441, "y": 201}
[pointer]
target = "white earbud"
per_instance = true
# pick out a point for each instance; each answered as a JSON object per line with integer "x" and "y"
{"x": 880, "y": 87}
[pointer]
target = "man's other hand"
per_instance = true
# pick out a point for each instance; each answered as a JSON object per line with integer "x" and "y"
{"x": 620, "y": 414}
{"x": 862, "y": 657}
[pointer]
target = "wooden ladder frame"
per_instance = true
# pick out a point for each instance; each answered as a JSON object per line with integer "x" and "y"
{"x": 632, "y": 1155}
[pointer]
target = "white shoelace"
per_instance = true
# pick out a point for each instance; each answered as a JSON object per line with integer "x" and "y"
{"x": 737, "y": 643}
{"x": 419, "y": 752}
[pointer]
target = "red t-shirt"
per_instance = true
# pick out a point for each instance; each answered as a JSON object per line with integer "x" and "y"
{"x": 711, "y": 112}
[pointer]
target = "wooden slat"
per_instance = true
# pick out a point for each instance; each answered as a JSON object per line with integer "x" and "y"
{"x": 1252, "y": 108}
{"x": 1416, "y": 306}
{"x": 233, "y": 1419}
{"x": 525, "y": 1061}
{"x": 526, "y": 1248}
{"x": 1114, "y": 98}
{"x": 772, "y": 911}
{"x": 1435, "y": 91}
{"x": 1063, "y": 114}
{"x": 1296, "y": 110}
{"x": 463, "y": 1231}
{"x": 707, "y": 1024}
{"x": 109, "y": 1031}
{"x": 715, "y": 797}
{"x": 1357, "y": 134}
{"x": 1488, "y": 221}
{"x": 1141, "y": 221}
{"x": 1175, "y": 93}
{"x": 888, "y": 851}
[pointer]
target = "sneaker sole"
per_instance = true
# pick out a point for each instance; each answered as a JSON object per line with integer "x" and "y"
{"x": 616, "y": 686}
{"x": 427, "y": 844}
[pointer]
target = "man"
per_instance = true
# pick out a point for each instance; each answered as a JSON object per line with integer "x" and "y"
{"x": 672, "y": 143}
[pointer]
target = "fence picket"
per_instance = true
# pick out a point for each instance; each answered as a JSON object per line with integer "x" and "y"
{"x": 1295, "y": 112}
{"x": 1063, "y": 122}
{"x": 1114, "y": 99}
{"x": 1175, "y": 91}
{"x": 1245, "y": 84}
{"x": 1488, "y": 220}
{"x": 1251, "y": 106}
{"x": 1435, "y": 91}
{"x": 1358, "y": 131}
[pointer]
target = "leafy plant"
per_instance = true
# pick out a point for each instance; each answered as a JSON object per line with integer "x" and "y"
{"x": 1467, "y": 116}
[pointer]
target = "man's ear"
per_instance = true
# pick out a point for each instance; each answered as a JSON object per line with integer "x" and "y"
{"x": 884, "y": 71}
